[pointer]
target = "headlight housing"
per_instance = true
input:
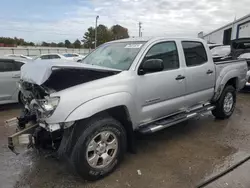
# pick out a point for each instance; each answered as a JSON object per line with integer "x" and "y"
{"x": 49, "y": 105}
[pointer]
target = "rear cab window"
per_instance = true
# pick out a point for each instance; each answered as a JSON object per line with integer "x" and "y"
{"x": 194, "y": 52}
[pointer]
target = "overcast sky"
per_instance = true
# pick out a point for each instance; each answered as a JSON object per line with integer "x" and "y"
{"x": 57, "y": 20}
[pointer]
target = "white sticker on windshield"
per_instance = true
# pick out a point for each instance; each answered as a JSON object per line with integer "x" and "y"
{"x": 133, "y": 46}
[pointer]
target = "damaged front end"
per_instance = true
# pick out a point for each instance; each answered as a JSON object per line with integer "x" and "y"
{"x": 31, "y": 129}
{"x": 38, "y": 89}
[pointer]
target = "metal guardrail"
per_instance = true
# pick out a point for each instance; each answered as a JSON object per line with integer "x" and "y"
{"x": 35, "y": 51}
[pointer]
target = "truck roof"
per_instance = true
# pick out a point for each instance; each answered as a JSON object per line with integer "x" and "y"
{"x": 146, "y": 39}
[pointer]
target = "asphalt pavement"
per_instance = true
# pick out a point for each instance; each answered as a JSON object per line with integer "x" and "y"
{"x": 180, "y": 156}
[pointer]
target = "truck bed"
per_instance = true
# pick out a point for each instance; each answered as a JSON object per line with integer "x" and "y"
{"x": 237, "y": 68}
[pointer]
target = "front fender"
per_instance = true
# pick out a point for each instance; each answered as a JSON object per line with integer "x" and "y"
{"x": 103, "y": 103}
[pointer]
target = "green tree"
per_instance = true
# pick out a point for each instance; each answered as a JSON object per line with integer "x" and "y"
{"x": 19, "y": 42}
{"x": 60, "y": 44}
{"x": 89, "y": 38}
{"x": 119, "y": 32}
{"x": 53, "y": 44}
{"x": 67, "y": 44}
{"x": 103, "y": 35}
{"x": 45, "y": 44}
{"x": 7, "y": 40}
{"x": 31, "y": 44}
{"x": 77, "y": 44}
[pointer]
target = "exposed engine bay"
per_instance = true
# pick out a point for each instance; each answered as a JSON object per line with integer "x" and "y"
{"x": 36, "y": 96}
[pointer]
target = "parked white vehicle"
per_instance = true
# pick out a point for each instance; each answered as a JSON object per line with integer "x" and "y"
{"x": 52, "y": 56}
{"x": 221, "y": 53}
{"x": 74, "y": 56}
{"x": 9, "y": 76}
{"x": 18, "y": 56}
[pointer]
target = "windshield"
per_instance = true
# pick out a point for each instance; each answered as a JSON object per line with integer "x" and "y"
{"x": 221, "y": 51}
{"x": 114, "y": 55}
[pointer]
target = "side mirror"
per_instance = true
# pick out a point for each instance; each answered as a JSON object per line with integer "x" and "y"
{"x": 151, "y": 65}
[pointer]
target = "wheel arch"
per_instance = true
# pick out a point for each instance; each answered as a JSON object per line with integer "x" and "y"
{"x": 233, "y": 80}
{"x": 120, "y": 113}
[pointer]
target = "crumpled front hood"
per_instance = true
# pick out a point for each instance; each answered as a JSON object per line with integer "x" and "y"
{"x": 39, "y": 71}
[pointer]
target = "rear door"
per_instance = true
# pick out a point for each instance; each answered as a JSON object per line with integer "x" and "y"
{"x": 199, "y": 72}
{"x": 9, "y": 76}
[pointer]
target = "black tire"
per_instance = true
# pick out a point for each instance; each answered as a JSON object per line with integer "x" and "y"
{"x": 219, "y": 111}
{"x": 21, "y": 98}
{"x": 92, "y": 128}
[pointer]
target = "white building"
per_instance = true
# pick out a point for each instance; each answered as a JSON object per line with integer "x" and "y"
{"x": 239, "y": 28}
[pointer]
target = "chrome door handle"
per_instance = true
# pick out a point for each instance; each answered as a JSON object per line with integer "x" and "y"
{"x": 180, "y": 77}
{"x": 210, "y": 71}
{"x": 16, "y": 76}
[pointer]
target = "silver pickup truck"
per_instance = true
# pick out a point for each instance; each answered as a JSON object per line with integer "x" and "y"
{"x": 88, "y": 112}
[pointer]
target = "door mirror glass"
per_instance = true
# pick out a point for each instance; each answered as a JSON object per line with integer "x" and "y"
{"x": 151, "y": 65}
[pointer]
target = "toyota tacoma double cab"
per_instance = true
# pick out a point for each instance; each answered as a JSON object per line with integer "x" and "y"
{"x": 88, "y": 112}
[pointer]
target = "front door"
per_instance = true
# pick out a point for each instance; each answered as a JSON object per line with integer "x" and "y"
{"x": 161, "y": 93}
{"x": 9, "y": 76}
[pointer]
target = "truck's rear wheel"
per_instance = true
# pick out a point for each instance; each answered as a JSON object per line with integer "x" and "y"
{"x": 99, "y": 149}
{"x": 226, "y": 103}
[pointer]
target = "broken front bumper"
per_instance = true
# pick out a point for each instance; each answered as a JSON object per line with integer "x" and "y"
{"x": 21, "y": 137}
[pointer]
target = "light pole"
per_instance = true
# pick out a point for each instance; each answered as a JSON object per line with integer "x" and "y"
{"x": 140, "y": 33}
{"x": 96, "y": 30}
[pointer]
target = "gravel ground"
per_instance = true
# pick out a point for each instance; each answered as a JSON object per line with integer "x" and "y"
{"x": 179, "y": 156}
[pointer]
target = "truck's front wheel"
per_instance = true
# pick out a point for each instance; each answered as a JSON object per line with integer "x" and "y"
{"x": 226, "y": 103}
{"x": 100, "y": 148}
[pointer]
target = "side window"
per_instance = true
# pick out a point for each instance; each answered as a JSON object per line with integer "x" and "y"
{"x": 7, "y": 66}
{"x": 54, "y": 57}
{"x": 18, "y": 65}
{"x": 195, "y": 53}
{"x": 44, "y": 57}
{"x": 167, "y": 52}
